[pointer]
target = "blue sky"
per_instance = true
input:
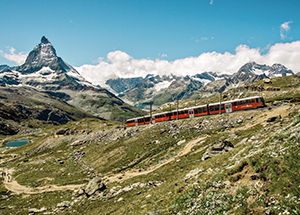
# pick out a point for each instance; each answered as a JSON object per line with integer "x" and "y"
{"x": 83, "y": 32}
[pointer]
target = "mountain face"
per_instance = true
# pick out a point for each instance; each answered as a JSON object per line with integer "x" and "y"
{"x": 45, "y": 71}
{"x": 161, "y": 89}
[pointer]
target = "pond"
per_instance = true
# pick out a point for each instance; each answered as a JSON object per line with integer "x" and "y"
{"x": 17, "y": 143}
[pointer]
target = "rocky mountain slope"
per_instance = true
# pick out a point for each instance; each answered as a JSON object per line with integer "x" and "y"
{"x": 43, "y": 70}
{"x": 239, "y": 163}
{"x": 159, "y": 90}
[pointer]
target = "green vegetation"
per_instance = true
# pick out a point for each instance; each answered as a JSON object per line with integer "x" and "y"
{"x": 260, "y": 175}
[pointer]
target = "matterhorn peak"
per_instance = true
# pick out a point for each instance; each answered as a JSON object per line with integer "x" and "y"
{"x": 45, "y": 40}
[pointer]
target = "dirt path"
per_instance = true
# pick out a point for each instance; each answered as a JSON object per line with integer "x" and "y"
{"x": 14, "y": 187}
{"x": 132, "y": 173}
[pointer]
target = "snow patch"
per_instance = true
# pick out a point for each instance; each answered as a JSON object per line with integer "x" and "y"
{"x": 258, "y": 71}
{"x": 162, "y": 85}
{"x": 203, "y": 81}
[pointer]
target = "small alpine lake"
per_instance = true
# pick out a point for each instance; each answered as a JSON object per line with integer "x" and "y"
{"x": 17, "y": 143}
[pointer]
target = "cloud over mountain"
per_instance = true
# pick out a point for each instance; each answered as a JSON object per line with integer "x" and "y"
{"x": 18, "y": 58}
{"x": 120, "y": 64}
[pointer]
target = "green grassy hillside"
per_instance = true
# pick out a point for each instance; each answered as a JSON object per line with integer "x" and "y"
{"x": 158, "y": 169}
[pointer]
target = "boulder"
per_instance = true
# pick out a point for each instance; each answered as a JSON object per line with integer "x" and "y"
{"x": 217, "y": 148}
{"x": 273, "y": 118}
{"x": 94, "y": 185}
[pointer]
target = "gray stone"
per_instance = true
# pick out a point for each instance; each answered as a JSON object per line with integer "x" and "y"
{"x": 94, "y": 185}
{"x": 217, "y": 148}
{"x": 273, "y": 118}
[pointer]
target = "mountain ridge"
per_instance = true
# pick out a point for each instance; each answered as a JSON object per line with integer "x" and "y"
{"x": 45, "y": 71}
{"x": 161, "y": 89}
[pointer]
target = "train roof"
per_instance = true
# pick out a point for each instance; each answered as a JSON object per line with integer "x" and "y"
{"x": 235, "y": 100}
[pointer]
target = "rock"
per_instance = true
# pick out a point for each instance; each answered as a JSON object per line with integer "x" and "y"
{"x": 267, "y": 81}
{"x": 254, "y": 177}
{"x": 273, "y": 118}
{"x": 62, "y": 131}
{"x": 35, "y": 210}
{"x": 77, "y": 143}
{"x": 277, "y": 103}
{"x": 217, "y": 148}
{"x": 94, "y": 185}
{"x": 181, "y": 142}
{"x": 63, "y": 205}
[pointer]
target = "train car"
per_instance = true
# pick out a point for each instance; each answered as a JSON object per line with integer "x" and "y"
{"x": 246, "y": 103}
{"x": 215, "y": 108}
{"x": 131, "y": 122}
{"x": 201, "y": 110}
{"x": 160, "y": 117}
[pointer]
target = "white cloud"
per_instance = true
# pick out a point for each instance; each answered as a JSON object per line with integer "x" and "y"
{"x": 120, "y": 64}
{"x": 211, "y": 2}
{"x": 284, "y": 28}
{"x": 18, "y": 58}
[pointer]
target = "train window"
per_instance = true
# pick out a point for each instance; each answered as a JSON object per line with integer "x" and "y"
{"x": 212, "y": 108}
{"x": 252, "y": 101}
{"x": 140, "y": 120}
{"x": 217, "y": 108}
{"x": 258, "y": 100}
{"x": 130, "y": 121}
{"x": 204, "y": 110}
{"x": 196, "y": 110}
{"x": 200, "y": 110}
{"x": 168, "y": 114}
{"x": 234, "y": 104}
{"x": 147, "y": 119}
{"x": 186, "y": 112}
{"x": 246, "y": 102}
{"x": 222, "y": 107}
{"x": 175, "y": 113}
{"x": 240, "y": 102}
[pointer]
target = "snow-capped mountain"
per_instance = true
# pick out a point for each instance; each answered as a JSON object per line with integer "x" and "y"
{"x": 161, "y": 89}
{"x": 43, "y": 70}
{"x": 276, "y": 70}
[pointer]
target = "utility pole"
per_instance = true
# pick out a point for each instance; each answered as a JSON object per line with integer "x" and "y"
{"x": 220, "y": 102}
{"x": 151, "y": 114}
{"x": 177, "y": 108}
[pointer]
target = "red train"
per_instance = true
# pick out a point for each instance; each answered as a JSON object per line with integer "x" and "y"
{"x": 202, "y": 110}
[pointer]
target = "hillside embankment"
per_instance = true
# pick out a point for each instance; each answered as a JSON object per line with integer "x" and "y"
{"x": 157, "y": 168}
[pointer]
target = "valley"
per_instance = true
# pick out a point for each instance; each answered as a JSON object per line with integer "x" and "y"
{"x": 99, "y": 167}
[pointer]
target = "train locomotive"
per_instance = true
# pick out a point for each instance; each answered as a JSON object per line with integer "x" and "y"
{"x": 202, "y": 110}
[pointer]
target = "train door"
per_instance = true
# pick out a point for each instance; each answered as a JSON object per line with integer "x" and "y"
{"x": 191, "y": 113}
{"x": 228, "y": 107}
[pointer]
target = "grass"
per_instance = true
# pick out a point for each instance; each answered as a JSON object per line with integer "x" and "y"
{"x": 218, "y": 185}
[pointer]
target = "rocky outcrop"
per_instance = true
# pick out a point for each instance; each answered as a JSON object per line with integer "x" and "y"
{"x": 93, "y": 186}
{"x": 217, "y": 148}
{"x": 273, "y": 118}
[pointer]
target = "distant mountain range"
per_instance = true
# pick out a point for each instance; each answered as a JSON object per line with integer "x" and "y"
{"x": 161, "y": 89}
{"x": 43, "y": 70}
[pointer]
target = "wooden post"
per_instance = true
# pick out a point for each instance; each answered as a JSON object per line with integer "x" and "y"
{"x": 151, "y": 114}
{"x": 220, "y": 102}
{"x": 177, "y": 108}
